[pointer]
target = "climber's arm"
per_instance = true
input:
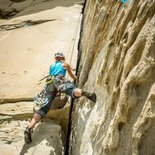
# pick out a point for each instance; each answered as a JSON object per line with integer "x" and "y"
{"x": 68, "y": 68}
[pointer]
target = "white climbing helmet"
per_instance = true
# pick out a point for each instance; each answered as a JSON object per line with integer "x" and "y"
{"x": 59, "y": 54}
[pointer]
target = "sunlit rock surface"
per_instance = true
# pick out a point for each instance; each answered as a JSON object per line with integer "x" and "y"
{"x": 29, "y": 39}
{"x": 118, "y": 64}
{"x": 31, "y": 31}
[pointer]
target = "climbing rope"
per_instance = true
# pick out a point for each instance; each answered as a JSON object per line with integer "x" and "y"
{"x": 72, "y": 100}
{"x": 72, "y": 44}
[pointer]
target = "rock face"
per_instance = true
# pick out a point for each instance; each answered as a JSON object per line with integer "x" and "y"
{"x": 31, "y": 31}
{"x": 29, "y": 40}
{"x": 118, "y": 63}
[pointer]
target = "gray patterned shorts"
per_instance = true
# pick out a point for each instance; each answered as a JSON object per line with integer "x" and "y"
{"x": 61, "y": 85}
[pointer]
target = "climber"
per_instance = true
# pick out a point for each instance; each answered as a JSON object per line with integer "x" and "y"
{"x": 58, "y": 83}
{"x": 124, "y": 1}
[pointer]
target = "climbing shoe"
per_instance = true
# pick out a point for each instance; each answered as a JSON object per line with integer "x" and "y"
{"x": 90, "y": 96}
{"x": 27, "y": 135}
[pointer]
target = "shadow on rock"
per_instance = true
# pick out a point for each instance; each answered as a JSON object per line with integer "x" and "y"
{"x": 10, "y": 8}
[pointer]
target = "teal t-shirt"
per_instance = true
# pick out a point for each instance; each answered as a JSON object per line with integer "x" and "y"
{"x": 57, "y": 69}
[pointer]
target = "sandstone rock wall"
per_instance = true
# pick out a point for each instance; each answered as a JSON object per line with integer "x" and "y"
{"x": 118, "y": 63}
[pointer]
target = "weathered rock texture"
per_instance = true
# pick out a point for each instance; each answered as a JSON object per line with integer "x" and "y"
{"x": 118, "y": 63}
{"x": 48, "y": 136}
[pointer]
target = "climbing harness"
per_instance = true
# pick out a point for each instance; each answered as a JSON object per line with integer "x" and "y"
{"x": 49, "y": 79}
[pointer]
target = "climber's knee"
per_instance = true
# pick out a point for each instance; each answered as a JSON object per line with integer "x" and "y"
{"x": 77, "y": 92}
